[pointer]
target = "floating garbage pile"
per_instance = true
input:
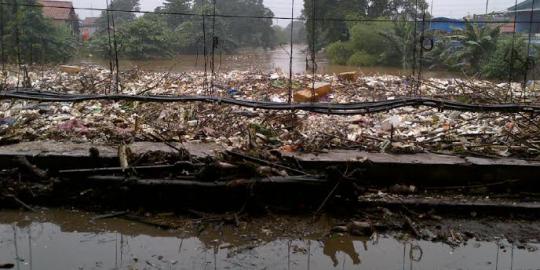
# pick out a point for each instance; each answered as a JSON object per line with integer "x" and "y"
{"x": 403, "y": 130}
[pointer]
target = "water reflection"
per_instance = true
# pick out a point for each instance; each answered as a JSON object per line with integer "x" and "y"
{"x": 57, "y": 245}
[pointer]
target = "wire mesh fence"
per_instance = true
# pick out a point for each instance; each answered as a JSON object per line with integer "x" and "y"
{"x": 399, "y": 38}
{"x": 313, "y": 57}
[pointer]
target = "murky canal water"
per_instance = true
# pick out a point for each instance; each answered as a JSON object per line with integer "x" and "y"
{"x": 72, "y": 240}
{"x": 266, "y": 61}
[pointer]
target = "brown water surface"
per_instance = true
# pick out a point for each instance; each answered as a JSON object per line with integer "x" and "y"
{"x": 266, "y": 61}
{"x": 59, "y": 239}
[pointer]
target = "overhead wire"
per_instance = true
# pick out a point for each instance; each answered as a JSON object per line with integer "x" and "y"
{"x": 161, "y": 12}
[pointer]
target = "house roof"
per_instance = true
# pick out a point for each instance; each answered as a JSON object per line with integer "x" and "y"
{"x": 525, "y": 6}
{"x": 57, "y": 10}
{"x": 89, "y": 21}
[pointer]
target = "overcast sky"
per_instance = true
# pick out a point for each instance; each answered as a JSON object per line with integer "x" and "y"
{"x": 282, "y": 8}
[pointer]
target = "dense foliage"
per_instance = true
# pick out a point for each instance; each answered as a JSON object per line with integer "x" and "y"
{"x": 482, "y": 51}
{"x": 476, "y": 50}
{"x": 174, "y": 31}
{"x": 28, "y": 37}
{"x": 510, "y": 60}
{"x": 326, "y": 29}
{"x": 375, "y": 43}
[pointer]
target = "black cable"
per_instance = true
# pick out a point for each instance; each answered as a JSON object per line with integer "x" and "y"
{"x": 322, "y": 108}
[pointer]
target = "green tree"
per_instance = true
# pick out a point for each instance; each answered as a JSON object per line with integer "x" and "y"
{"x": 120, "y": 17}
{"x": 280, "y": 35}
{"x": 28, "y": 37}
{"x": 376, "y": 43}
{"x": 155, "y": 35}
{"x": 399, "y": 42}
{"x": 510, "y": 60}
{"x": 339, "y": 52}
{"x": 477, "y": 43}
{"x": 249, "y": 32}
{"x": 143, "y": 38}
{"x": 299, "y": 34}
{"x": 176, "y": 6}
{"x": 146, "y": 37}
{"x": 325, "y": 29}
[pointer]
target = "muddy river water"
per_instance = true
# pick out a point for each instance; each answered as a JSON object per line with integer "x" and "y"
{"x": 60, "y": 239}
{"x": 277, "y": 59}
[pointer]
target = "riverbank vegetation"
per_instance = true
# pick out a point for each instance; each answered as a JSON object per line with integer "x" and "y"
{"x": 172, "y": 30}
{"x": 28, "y": 37}
{"x": 387, "y": 35}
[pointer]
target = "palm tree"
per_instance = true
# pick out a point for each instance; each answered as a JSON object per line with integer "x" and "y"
{"x": 477, "y": 42}
{"x": 400, "y": 39}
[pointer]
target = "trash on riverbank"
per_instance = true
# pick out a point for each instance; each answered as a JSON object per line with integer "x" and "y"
{"x": 408, "y": 129}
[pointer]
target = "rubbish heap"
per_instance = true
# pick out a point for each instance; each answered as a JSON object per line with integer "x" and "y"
{"x": 403, "y": 130}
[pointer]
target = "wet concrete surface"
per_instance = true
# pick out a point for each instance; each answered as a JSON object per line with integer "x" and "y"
{"x": 67, "y": 239}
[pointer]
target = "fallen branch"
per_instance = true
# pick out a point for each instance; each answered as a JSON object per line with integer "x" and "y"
{"x": 265, "y": 162}
{"x": 188, "y": 181}
{"x": 23, "y": 204}
{"x": 183, "y": 165}
{"x": 411, "y": 226}
{"x": 330, "y": 194}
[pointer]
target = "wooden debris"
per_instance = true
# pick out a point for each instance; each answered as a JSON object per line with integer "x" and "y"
{"x": 123, "y": 156}
{"x": 309, "y": 95}
{"x": 351, "y": 76}
{"x": 70, "y": 69}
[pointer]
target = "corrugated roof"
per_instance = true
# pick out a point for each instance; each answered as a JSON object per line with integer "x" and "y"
{"x": 525, "y": 6}
{"x": 57, "y": 10}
